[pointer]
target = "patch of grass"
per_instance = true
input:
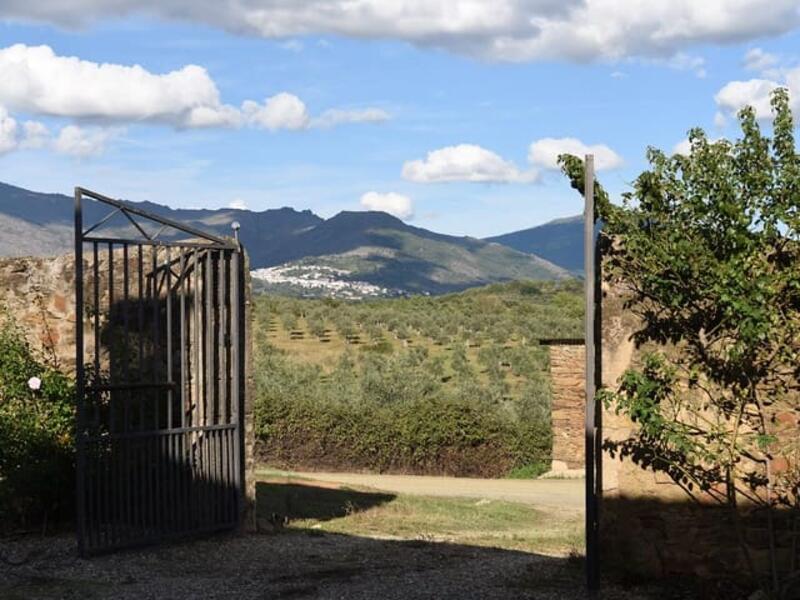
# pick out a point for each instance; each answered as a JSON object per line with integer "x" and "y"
{"x": 267, "y": 473}
{"x": 364, "y": 512}
{"x": 529, "y": 471}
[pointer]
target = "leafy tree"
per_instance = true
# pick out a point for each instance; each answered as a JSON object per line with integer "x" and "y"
{"x": 706, "y": 248}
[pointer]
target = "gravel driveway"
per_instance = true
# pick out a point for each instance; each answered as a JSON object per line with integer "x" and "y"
{"x": 551, "y": 493}
{"x": 302, "y": 564}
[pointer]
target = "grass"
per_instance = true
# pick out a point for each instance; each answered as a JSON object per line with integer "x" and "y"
{"x": 531, "y": 471}
{"x": 319, "y": 507}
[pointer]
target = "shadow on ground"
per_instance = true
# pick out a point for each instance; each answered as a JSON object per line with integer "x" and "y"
{"x": 279, "y": 501}
{"x": 299, "y": 563}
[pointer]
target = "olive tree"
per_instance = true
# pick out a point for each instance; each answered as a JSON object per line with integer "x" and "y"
{"x": 706, "y": 248}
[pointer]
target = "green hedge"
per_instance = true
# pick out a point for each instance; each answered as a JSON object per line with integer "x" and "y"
{"x": 410, "y": 425}
{"x": 429, "y": 436}
{"x": 37, "y": 466}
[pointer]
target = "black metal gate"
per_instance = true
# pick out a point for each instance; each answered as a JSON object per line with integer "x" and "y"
{"x": 158, "y": 338}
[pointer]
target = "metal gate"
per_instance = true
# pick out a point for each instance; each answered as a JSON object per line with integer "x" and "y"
{"x": 158, "y": 339}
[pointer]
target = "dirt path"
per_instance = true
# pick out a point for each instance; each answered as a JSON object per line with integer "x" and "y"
{"x": 550, "y": 493}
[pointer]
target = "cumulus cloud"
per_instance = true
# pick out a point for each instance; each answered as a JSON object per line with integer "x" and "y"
{"x": 755, "y": 92}
{"x": 237, "y": 204}
{"x": 687, "y": 62}
{"x": 544, "y": 153}
{"x": 464, "y": 162}
{"x": 82, "y": 141}
{"x": 8, "y": 132}
{"x": 38, "y": 81}
{"x": 35, "y": 135}
{"x": 282, "y": 111}
{"x": 512, "y": 30}
{"x": 395, "y": 204}
{"x": 757, "y": 60}
{"x": 31, "y": 134}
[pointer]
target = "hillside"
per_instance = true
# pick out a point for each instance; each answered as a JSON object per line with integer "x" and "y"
{"x": 381, "y": 250}
{"x": 456, "y": 383}
{"x": 559, "y": 241}
{"x": 356, "y": 251}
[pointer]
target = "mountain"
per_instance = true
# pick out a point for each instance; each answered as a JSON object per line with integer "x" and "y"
{"x": 559, "y": 241}
{"x": 380, "y": 249}
{"x": 360, "y": 250}
{"x": 33, "y": 223}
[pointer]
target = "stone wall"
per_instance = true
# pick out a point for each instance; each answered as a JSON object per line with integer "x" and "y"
{"x": 649, "y": 525}
{"x": 567, "y": 375}
{"x": 39, "y": 294}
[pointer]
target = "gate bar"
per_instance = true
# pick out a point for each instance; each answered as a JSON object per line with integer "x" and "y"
{"x": 592, "y": 533}
{"x": 80, "y": 490}
{"x": 132, "y": 210}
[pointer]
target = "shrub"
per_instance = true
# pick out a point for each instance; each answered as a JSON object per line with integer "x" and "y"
{"x": 36, "y": 435}
{"x": 397, "y": 418}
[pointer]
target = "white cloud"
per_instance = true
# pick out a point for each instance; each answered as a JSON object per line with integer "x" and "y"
{"x": 683, "y": 147}
{"x": 213, "y": 116}
{"x": 35, "y": 135}
{"x": 32, "y": 134}
{"x": 395, "y": 204}
{"x": 720, "y": 120}
{"x": 282, "y": 111}
{"x": 8, "y": 132}
{"x": 83, "y": 142}
{"x": 464, "y": 162}
{"x": 758, "y": 60}
{"x": 36, "y": 80}
{"x": 514, "y": 30}
{"x": 237, "y": 204}
{"x": 545, "y": 152}
{"x": 756, "y": 92}
{"x": 336, "y": 116}
{"x": 687, "y": 62}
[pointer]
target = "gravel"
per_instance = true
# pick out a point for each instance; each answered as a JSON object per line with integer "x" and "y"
{"x": 291, "y": 564}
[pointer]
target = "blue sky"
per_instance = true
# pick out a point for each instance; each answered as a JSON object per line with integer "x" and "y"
{"x": 396, "y": 99}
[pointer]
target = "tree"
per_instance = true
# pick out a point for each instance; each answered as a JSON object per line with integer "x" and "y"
{"x": 706, "y": 247}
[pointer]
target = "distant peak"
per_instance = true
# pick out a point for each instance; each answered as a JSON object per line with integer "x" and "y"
{"x": 365, "y": 216}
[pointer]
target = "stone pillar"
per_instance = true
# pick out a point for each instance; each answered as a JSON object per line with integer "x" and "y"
{"x": 567, "y": 368}
{"x": 249, "y": 516}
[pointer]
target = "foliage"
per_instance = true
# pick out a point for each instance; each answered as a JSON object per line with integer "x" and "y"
{"x": 706, "y": 247}
{"x": 393, "y": 396}
{"x": 36, "y": 435}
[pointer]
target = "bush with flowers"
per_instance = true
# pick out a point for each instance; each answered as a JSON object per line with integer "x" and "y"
{"x": 37, "y": 458}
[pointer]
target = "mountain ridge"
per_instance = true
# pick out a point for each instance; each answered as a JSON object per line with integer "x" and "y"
{"x": 559, "y": 241}
{"x": 365, "y": 246}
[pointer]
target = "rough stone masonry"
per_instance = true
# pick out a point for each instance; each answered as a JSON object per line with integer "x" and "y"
{"x": 567, "y": 376}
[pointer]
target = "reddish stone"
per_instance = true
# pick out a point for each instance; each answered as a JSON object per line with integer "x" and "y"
{"x": 60, "y": 303}
{"x": 779, "y": 464}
